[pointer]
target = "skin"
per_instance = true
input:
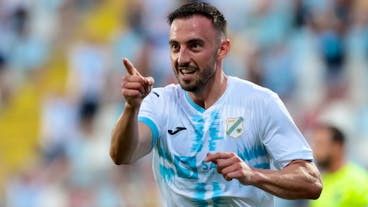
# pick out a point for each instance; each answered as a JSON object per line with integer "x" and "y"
{"x": 195, "y": 44}
{"x": 131, "y": 140}
{"x": 196, "y": 47}
{"x": 328, "y": 153}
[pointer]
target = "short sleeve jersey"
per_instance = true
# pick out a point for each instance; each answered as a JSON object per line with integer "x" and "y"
{"x": 247, "y": 119}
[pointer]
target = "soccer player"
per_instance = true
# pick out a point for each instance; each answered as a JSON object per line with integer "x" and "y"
{"x": 345, "y": 183}
{"x": 214, "y": 137}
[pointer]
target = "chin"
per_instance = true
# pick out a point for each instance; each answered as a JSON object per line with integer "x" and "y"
{"x": 188, "y": 87}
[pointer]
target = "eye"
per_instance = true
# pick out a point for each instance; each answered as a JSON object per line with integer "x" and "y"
{"x": 195, "y": 45}
{"x": 174, "y": 47}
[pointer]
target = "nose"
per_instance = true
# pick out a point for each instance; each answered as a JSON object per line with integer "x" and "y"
{"x": 183, "y": 56}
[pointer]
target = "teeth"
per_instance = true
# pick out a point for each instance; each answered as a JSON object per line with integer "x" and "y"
{"x": 187, "y": 70}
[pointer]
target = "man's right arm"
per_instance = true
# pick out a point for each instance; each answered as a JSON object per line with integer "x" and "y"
{"x": 131, "y": 139}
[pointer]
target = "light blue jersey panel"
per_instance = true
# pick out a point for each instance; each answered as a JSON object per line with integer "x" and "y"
{"x": 248, "y": 120}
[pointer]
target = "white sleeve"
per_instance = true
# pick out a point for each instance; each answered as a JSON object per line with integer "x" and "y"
{"x": 150, "y": 113}
{"x": 281, "y": 137}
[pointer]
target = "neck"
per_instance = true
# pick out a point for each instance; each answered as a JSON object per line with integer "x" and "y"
{"x": 212, "y": 92}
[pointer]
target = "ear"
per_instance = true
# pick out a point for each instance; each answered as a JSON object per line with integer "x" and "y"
{"x": 224, "y": 48}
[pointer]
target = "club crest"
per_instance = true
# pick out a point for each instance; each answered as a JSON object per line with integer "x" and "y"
{"x": 235, "y": 127}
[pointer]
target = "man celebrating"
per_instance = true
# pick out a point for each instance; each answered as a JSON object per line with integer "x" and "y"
{"x": 214, "y": 137}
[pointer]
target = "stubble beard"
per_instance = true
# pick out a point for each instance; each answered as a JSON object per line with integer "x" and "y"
{"x": 203, "y": 78}
{"x": 325, "y": 164}
{"x": 198, "y": 84}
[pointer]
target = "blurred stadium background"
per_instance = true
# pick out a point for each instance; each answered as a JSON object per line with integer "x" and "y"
{"x": 60, "y": 69}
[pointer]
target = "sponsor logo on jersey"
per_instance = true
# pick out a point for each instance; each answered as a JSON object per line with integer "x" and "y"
{"x": 178, "y": 129}
{"x": 235, "y": 127}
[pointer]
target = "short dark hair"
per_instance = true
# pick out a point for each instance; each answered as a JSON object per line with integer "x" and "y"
{"x": 200, "y": 8}
{"x": 337, "y": 135}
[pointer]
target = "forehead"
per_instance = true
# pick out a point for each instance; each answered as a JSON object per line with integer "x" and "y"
{"x": 322, "y": 135}
{"x": 196, "y": 26}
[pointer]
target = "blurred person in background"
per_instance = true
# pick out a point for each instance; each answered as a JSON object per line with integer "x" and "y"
{"x": 4, "y": 82}
{"x": 87, "y": 75}
{"x": 199, "y": 158}
{"x": 344, "y": 183}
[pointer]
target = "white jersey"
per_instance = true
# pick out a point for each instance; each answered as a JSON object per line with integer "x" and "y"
{"x": 247, "y": 119}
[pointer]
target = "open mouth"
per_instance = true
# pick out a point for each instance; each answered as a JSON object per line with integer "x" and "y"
{"x": 185, "y": 71}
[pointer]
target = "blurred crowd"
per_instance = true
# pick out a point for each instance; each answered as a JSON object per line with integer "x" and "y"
{"x": 313, "y": 53}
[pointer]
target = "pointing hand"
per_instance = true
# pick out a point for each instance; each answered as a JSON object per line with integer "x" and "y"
{"x": 134, "y": 87}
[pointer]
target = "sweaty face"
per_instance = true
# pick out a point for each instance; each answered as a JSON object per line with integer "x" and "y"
{"x": 194, "y": 44}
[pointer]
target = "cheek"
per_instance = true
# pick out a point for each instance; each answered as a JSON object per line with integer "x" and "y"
{"x": 318, "y": 154}
{"x": 320, "y": 151}
{"x": 206, "y": 61}
{"x": 335, "y": 149}
{"x": 173, "y": 58}
{"x": 173, "y": 62}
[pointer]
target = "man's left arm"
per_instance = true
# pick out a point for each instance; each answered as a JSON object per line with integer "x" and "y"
{"x": 300, "y": 179}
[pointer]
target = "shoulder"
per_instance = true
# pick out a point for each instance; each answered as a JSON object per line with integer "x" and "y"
{"x": 168, "y": 90}
{"x": 251, "y": 90}
{"x": 352, "y": 177}
{"x": 162, "y": 95}
{"x": 356, "y": 171}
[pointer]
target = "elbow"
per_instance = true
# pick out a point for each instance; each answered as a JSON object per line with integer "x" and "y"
{"x": 316, "y": 191}
{"x": 115, "y": 158}
{"x": 313, "y": 191}
{"x": 317, "y": 187}
{"x": 118, "y": 159}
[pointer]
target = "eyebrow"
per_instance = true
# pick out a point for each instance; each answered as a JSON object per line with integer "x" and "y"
{"x": 172, "y": 42}
{"x": 194, "y": 40}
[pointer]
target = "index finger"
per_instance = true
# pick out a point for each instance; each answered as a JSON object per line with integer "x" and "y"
{"x": 212, "y": 157}
{"x": 130, "y": 68}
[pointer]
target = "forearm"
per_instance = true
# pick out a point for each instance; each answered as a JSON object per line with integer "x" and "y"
{"x": 124, "y": 140}
{"x": 300, "y": 180}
